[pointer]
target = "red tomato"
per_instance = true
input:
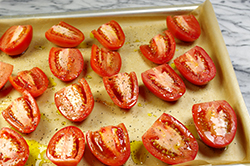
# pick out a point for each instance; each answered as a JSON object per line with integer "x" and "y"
{"x": 34, "y": 81}
{"x": 123, "y": 89}
{"x": 5, "y": 71}
{"x": 64, "y": 35}
{"x": 215, "y": 122}
{"x": 184, "y": 27}
{"x": 23, "y": 113}
{"x": 14, "y": 149}
{"x": 104, "y": 62}
{"x": 110, "y": 35}
{"x": 75, "y": 102}
{"x": 66, "y": 63}
{"x": 66, "y": 147}
{"x": 16, "y": 39}
{"x": 170, "y": 141}
{"x": 110, "y": 144}
{"x": 196, "y": 66}
{"x": 161, "y": 48}
{"x": 164, "y": 82}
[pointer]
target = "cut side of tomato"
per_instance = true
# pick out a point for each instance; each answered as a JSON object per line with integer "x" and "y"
{"x": 110, "y": 144}
{"x": 216, "y": 122}
{"x": 5, "y": 71}
{"x": 170, "y": 141}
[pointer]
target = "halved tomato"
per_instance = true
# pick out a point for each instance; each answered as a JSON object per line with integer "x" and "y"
{"x": 164, "y": 82}
{"x": 184, "y": 27}
{"x": 34, "y": 81}
{"x": 104, "y": 62}
{"x": 170, "y": 141}
{"x": 110, "y": 35}
{"x": 123, "y": 89}
{"x": 23, "y": 113}
{"x": 161, "y": 48}
{"x": 14, "y": 150}
{"x": 5, "y": 71}
{"x": 75, "y": 102}
{"x": 196, "y": 66}
{"x": 215, "y": 122}
{"x": 66, "y": 63}
{"x": 66, "y": 147}
{"x": 64, "y": 35}
{"x": 110, "y": 144}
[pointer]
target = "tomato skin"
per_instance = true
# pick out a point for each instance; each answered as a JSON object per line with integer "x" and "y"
{"x": 203, "y": 69}
{"x": 18, "y": 153}
{"x": 209, "y": 113}
{"x": 184, "y": 27}
{"x": 5, "y": 71}
{"x": 71, "y": 136}
{"x": 110, "y": 35}
{"x": 110, "y": 144}
{"x": 154, "y": 51}
{"x": 104, "y": 62}
{"x": 164, "y": 82}
{"x": 57, "y": 35}
{"x": 156, "y": 138}
{"x": 18, "y": 45}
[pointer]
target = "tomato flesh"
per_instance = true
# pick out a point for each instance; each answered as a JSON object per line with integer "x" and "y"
{"x": 5, "y": 71}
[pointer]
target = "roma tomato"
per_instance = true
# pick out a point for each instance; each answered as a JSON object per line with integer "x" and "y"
{"x": 184, "y": 27}
{"x": 161, "y": 48}
{"x": 16, "y": 39}
{"x": 5, "y": 71}
{"x": 170, "y": 141}
{"x": 14, "y": 150}
{"x": 34, "y": 81}
{"x": 215, "y": 122}
{"x": 110, "y": 144}
{"x": 66, "y": 147}
{"x": 110, "y": 35}
{"x": 66, "y": 63}
{"x": 104, "y": 62}
{"x": 196, "y": 66}
{"x": 23, "y": 113}
{"x": 64, "y": 35}
{"x": 75, "y": 102}
{"x": 123, "y": 89}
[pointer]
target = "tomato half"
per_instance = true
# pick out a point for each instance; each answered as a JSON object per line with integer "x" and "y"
{"x": 64, "y": 35}
{"x": 5, "y": 71}
{"x": 215, "y": 122}
{"x": 170, "y": 141}
{"x": 110, "y": 144}
{"x": 110, "y": 35}
{"x": 66, "y": 63}
{"x": 16, "y": 39}
{"x": 14, "y": 150}
{"x": 23, "y": 113}
{"x": 66, "y": 147}
{"x": 34, "y": 81}
{"x": 184, "y": 27}
{"x": 161, "y": 48}
{"x": 196, "y": 66}
{"x": 75, "y": 102}
{"x": 123, "y": 89}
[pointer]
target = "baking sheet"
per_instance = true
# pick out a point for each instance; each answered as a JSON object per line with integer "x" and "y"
{"x": 138, "y": 30}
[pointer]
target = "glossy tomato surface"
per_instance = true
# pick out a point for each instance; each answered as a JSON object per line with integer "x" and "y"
{"x": 184, "y": 27}
{"x": 66, "y": 147}
{"x": 110, "y": 144}
{"x": 161, "y": 48}
{"x": 105, "y": 62}
{"x": 216, "y": 122}
{"x": 75, "y": 102}
{"x": 123, "y": 89}
{"x": 110, "y": 35}
{"x": 170, "y": 141}
{"x": 16, "y": 39}
{"x": 5, "y": 71}
{"x": 164, "y": 82}
{"x": 64, "y": 35}
{"x": 196, "y": 66}
{"x": 14, "y": 149}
